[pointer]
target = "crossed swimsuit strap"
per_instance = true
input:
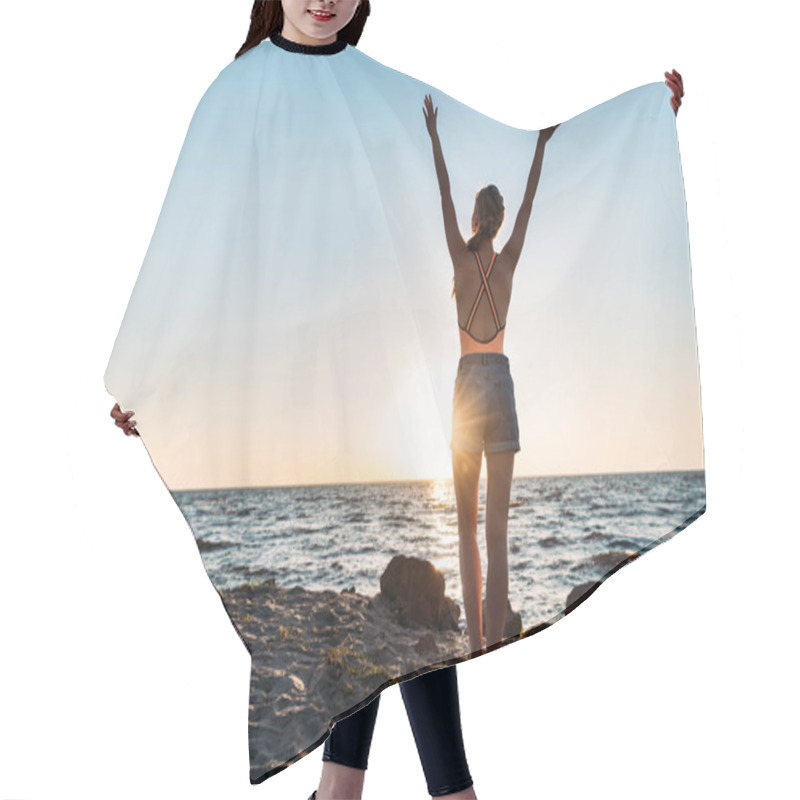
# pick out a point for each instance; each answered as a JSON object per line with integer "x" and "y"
{"x": 485, "y": 277}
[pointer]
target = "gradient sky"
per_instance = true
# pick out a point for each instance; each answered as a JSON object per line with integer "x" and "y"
{"x": 292, "y": 322}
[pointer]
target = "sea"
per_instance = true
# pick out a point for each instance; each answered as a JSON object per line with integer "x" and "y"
{"x": 562, "y": 531}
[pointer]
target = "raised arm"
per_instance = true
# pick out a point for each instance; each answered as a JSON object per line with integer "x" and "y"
{"x": 455, "y": 241}
{"x": 513, "y": 247}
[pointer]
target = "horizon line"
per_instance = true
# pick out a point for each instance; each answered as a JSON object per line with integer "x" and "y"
{"x": 431, "y": 480}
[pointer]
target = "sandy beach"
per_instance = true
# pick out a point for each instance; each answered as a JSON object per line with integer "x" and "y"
{"x": 317, "y": 654}
{"x": 321, "y": 655}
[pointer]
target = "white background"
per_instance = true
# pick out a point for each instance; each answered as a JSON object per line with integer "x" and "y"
{"x": 120, "y": 674}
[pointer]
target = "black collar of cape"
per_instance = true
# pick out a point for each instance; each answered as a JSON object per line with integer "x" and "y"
{"x": 308, "y": 49}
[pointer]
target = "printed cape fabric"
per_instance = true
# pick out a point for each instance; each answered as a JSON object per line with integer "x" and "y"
{"x": 291, "y": 348}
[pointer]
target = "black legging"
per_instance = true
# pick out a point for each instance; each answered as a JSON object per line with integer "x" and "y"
{"x": 432, "y": 705}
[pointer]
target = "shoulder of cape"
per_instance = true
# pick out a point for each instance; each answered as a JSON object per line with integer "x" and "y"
{"x": 245, "y": 76}
{"x": 379, "y": 69}
{"x": 246, "y": 70}
{"x": 249, "y": 69}
{"x": 237, "y": 86}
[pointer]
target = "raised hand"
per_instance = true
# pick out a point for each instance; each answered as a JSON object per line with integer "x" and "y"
{"x": 431, "y": 114}
{"x": 123, "y": 420}
{"x": 675, "y": 82}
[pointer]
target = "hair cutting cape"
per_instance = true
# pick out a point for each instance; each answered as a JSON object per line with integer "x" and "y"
{"x": 291, "y": 345}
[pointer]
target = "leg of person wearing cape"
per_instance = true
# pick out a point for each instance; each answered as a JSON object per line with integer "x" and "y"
{"x": 431, "y": 701}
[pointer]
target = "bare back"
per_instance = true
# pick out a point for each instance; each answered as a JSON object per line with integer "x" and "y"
{"x": 483, "y": 282}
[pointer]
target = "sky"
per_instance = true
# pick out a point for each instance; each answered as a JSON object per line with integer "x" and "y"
{"x": 292, "y": 322}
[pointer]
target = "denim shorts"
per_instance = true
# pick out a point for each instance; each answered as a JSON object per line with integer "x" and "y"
{"x": 484, "y": 408}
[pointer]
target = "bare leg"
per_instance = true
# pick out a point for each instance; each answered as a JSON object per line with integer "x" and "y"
{"x": 339, "y": 782}
{"x": 499, "y": 472}
{"x": 346, "y": 755}
{"x": 466, "y": 475}
{"x": 345, "y": 783}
